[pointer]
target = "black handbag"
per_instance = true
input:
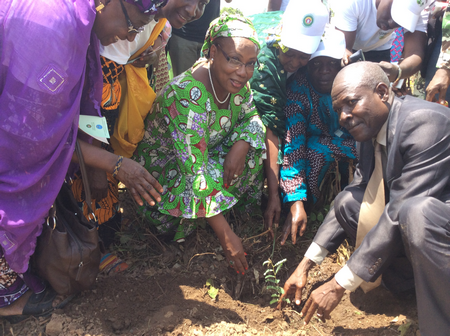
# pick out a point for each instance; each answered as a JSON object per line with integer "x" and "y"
{"x": 68, "y": 251}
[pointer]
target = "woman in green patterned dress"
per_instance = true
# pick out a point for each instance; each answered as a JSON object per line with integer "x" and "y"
{"x": 204, "y": 139}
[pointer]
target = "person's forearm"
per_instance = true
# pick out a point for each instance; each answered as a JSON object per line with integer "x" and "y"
{"x": 220, "y": 225}
{"x": 96, "y": 157}
{"x": 270, "y": 164}
{"x": 413, "y": 53}
{"x": 410, "y": 66}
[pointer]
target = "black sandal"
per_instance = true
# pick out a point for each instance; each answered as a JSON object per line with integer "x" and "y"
{"x": 39, "y": 305}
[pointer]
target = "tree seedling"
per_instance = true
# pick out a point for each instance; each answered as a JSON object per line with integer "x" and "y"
{"x": 272, "y": 283}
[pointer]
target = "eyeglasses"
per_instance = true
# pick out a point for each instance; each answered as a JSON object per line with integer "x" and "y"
{"x": 236, "y": 64}
{"x": 131, "y": 28}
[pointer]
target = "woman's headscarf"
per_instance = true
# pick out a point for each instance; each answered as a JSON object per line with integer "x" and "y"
{"x": 149, "y": 7}
{"x": 229, "y": 26}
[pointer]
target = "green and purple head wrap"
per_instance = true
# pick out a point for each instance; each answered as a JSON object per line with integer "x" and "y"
{"x": 229, "y": 26}
{"x": 149, "y": 7}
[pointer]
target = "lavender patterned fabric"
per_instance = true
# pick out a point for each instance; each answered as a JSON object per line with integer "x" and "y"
{"x": 43, "y": 50}
{"x": 148, "y": 6}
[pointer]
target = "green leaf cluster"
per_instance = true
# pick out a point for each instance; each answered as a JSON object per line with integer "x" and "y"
{"x": 212, "y": 291}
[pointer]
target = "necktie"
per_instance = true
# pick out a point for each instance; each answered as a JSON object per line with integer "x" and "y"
{"x": 372, "y": 207}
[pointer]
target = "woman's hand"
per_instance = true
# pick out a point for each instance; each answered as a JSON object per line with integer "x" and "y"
{"x": 346, "y": 58}
{"x": 296, "y": 218}
{"x": 98, "y": 183}
{"x": 139, "y": 182}
{"x": 234, "y": 251}
{"x": 147, "y": 58}
{"x": 438, "y": 85}
{"x": 272, "y": 213}
{"x": 297, "y": 281}
{"x": 230, "y": 242}
{"x": 235, "y": 162}
{"x": 391, "y": 70}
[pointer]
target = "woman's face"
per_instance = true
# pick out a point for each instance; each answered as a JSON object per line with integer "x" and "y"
{"x": 111, "y": 24}
{"x": 180, "y": 12}
{"x": 233, "y": 63}
{"x": 292, "y": 60}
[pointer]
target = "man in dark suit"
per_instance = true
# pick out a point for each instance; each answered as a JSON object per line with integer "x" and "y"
{"x": 413, "y": 137}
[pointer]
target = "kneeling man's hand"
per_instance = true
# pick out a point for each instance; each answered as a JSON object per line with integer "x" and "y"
{"x": 296, "y": 282}
{"x": 323, "y": 300}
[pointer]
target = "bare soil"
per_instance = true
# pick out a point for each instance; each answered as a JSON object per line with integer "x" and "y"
{"x": 164, "y": 292}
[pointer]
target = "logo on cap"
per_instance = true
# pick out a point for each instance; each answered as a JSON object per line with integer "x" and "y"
{"x": 308, "y": 20}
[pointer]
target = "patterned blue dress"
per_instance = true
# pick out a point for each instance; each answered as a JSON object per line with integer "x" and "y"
{"x": 314, "y": 141}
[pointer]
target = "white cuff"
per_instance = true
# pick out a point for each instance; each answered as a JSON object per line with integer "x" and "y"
{"x": 347, "y": 279}
{"x": 316, "y": 253}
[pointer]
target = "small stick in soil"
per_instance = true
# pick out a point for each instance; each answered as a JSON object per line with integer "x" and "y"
{"x": 259, "y": 235}
{"x": 237, "y": 289}
{"x": 198, "y": 255}
{"x": 317, "y": 330}
{"x": 162, "y": 290}
{"x": 242, "y": 288}
{"x": 149, "y": 233}
{"x": 269, "y": 329}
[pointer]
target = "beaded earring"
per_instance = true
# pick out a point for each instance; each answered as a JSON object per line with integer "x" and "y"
{"x": 99, "y": 8}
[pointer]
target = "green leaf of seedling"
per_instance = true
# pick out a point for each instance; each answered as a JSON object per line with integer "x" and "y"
{"x": 273, "y": 301}
{"x": 213, "y": 292}
{"x": 269, "y": 276}
{"x": 312, "y": 217}
{"x": 280, "y": 262}
{"x": 275, "y": 281}
{"x": 210, "y": 282}
{"x": 320, "y": 217}
{"x": 265, "y": 262}
{"x": 275, "y": 295}
{"x": 276, "y": 288}
{"x": 267, "y": 271}
{"x": 287, "y": 300}
{"x": 278, "y": 268}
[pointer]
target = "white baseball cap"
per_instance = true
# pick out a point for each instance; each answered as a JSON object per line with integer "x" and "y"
{"x": 303, "y": 25}
{"x": 332, "y": 44}
{"x": 406, "y": 13}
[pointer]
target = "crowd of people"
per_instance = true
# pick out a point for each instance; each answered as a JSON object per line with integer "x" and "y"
{"x": 320, "y": 111}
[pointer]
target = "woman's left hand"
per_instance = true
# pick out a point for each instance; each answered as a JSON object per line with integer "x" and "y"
{"x": 235, "y": 162}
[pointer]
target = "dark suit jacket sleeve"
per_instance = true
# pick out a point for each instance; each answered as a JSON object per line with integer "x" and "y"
{"x": 331, "y": 234}
{"x": 418, "y": 165}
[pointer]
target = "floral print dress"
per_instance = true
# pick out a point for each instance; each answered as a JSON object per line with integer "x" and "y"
{"x": 184, "y": 147}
